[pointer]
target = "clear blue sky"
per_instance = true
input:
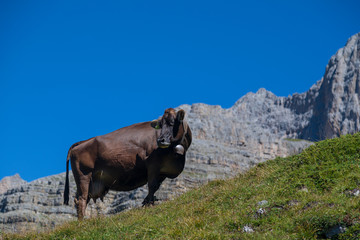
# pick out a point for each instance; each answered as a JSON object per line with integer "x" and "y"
{"x": 71, "y": 70}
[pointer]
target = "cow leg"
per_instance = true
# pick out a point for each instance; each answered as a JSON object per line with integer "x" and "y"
{"x": 76, "y": 201}
{"x": 83, "y": 194}
{"x": 153, "y": 185}
{"x": 82, "y": 177}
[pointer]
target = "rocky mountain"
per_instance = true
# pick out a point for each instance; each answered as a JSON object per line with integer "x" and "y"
{"x": 10, "y": 182}
{"x": 336, "y": 106}
{"x": 260, "y": 126}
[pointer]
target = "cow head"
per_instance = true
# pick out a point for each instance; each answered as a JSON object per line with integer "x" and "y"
{"x": 171, "y": 126}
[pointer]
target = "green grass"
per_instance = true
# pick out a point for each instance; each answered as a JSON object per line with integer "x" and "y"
{"x": 307, "y": 195}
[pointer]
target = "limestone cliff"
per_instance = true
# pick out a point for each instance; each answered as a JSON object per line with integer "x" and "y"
{"x": 10, "y": 182}
{"x": 336, "y": 108}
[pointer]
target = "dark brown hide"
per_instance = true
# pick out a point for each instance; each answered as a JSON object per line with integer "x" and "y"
{"x": 129, "y": 158}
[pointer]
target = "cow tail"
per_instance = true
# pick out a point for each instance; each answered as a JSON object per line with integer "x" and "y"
{"x": 66, "y": 191}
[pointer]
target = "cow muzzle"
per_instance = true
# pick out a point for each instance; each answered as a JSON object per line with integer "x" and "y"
{"x": 162, "y": 143}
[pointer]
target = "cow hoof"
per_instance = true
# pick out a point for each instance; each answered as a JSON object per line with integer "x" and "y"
{"x": 147, "y": 202}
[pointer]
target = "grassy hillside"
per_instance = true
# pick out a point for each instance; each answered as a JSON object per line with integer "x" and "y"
{"x": 311, "y": 195}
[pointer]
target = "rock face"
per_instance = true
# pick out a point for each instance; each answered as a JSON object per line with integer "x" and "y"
{"x": 335, "y": 103}
{"x": 260, "y": 126}
{"x": 10, "y": 182}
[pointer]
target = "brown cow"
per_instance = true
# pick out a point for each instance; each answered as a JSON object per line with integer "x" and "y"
{"x": 129, "y": 158}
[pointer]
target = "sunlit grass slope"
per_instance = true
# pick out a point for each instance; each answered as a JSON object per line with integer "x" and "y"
{"x": 308, "y": 196}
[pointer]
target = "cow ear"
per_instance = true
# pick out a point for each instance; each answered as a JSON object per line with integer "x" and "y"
{"x": 180, "y": 115}
{"x": 155, "y": 124}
